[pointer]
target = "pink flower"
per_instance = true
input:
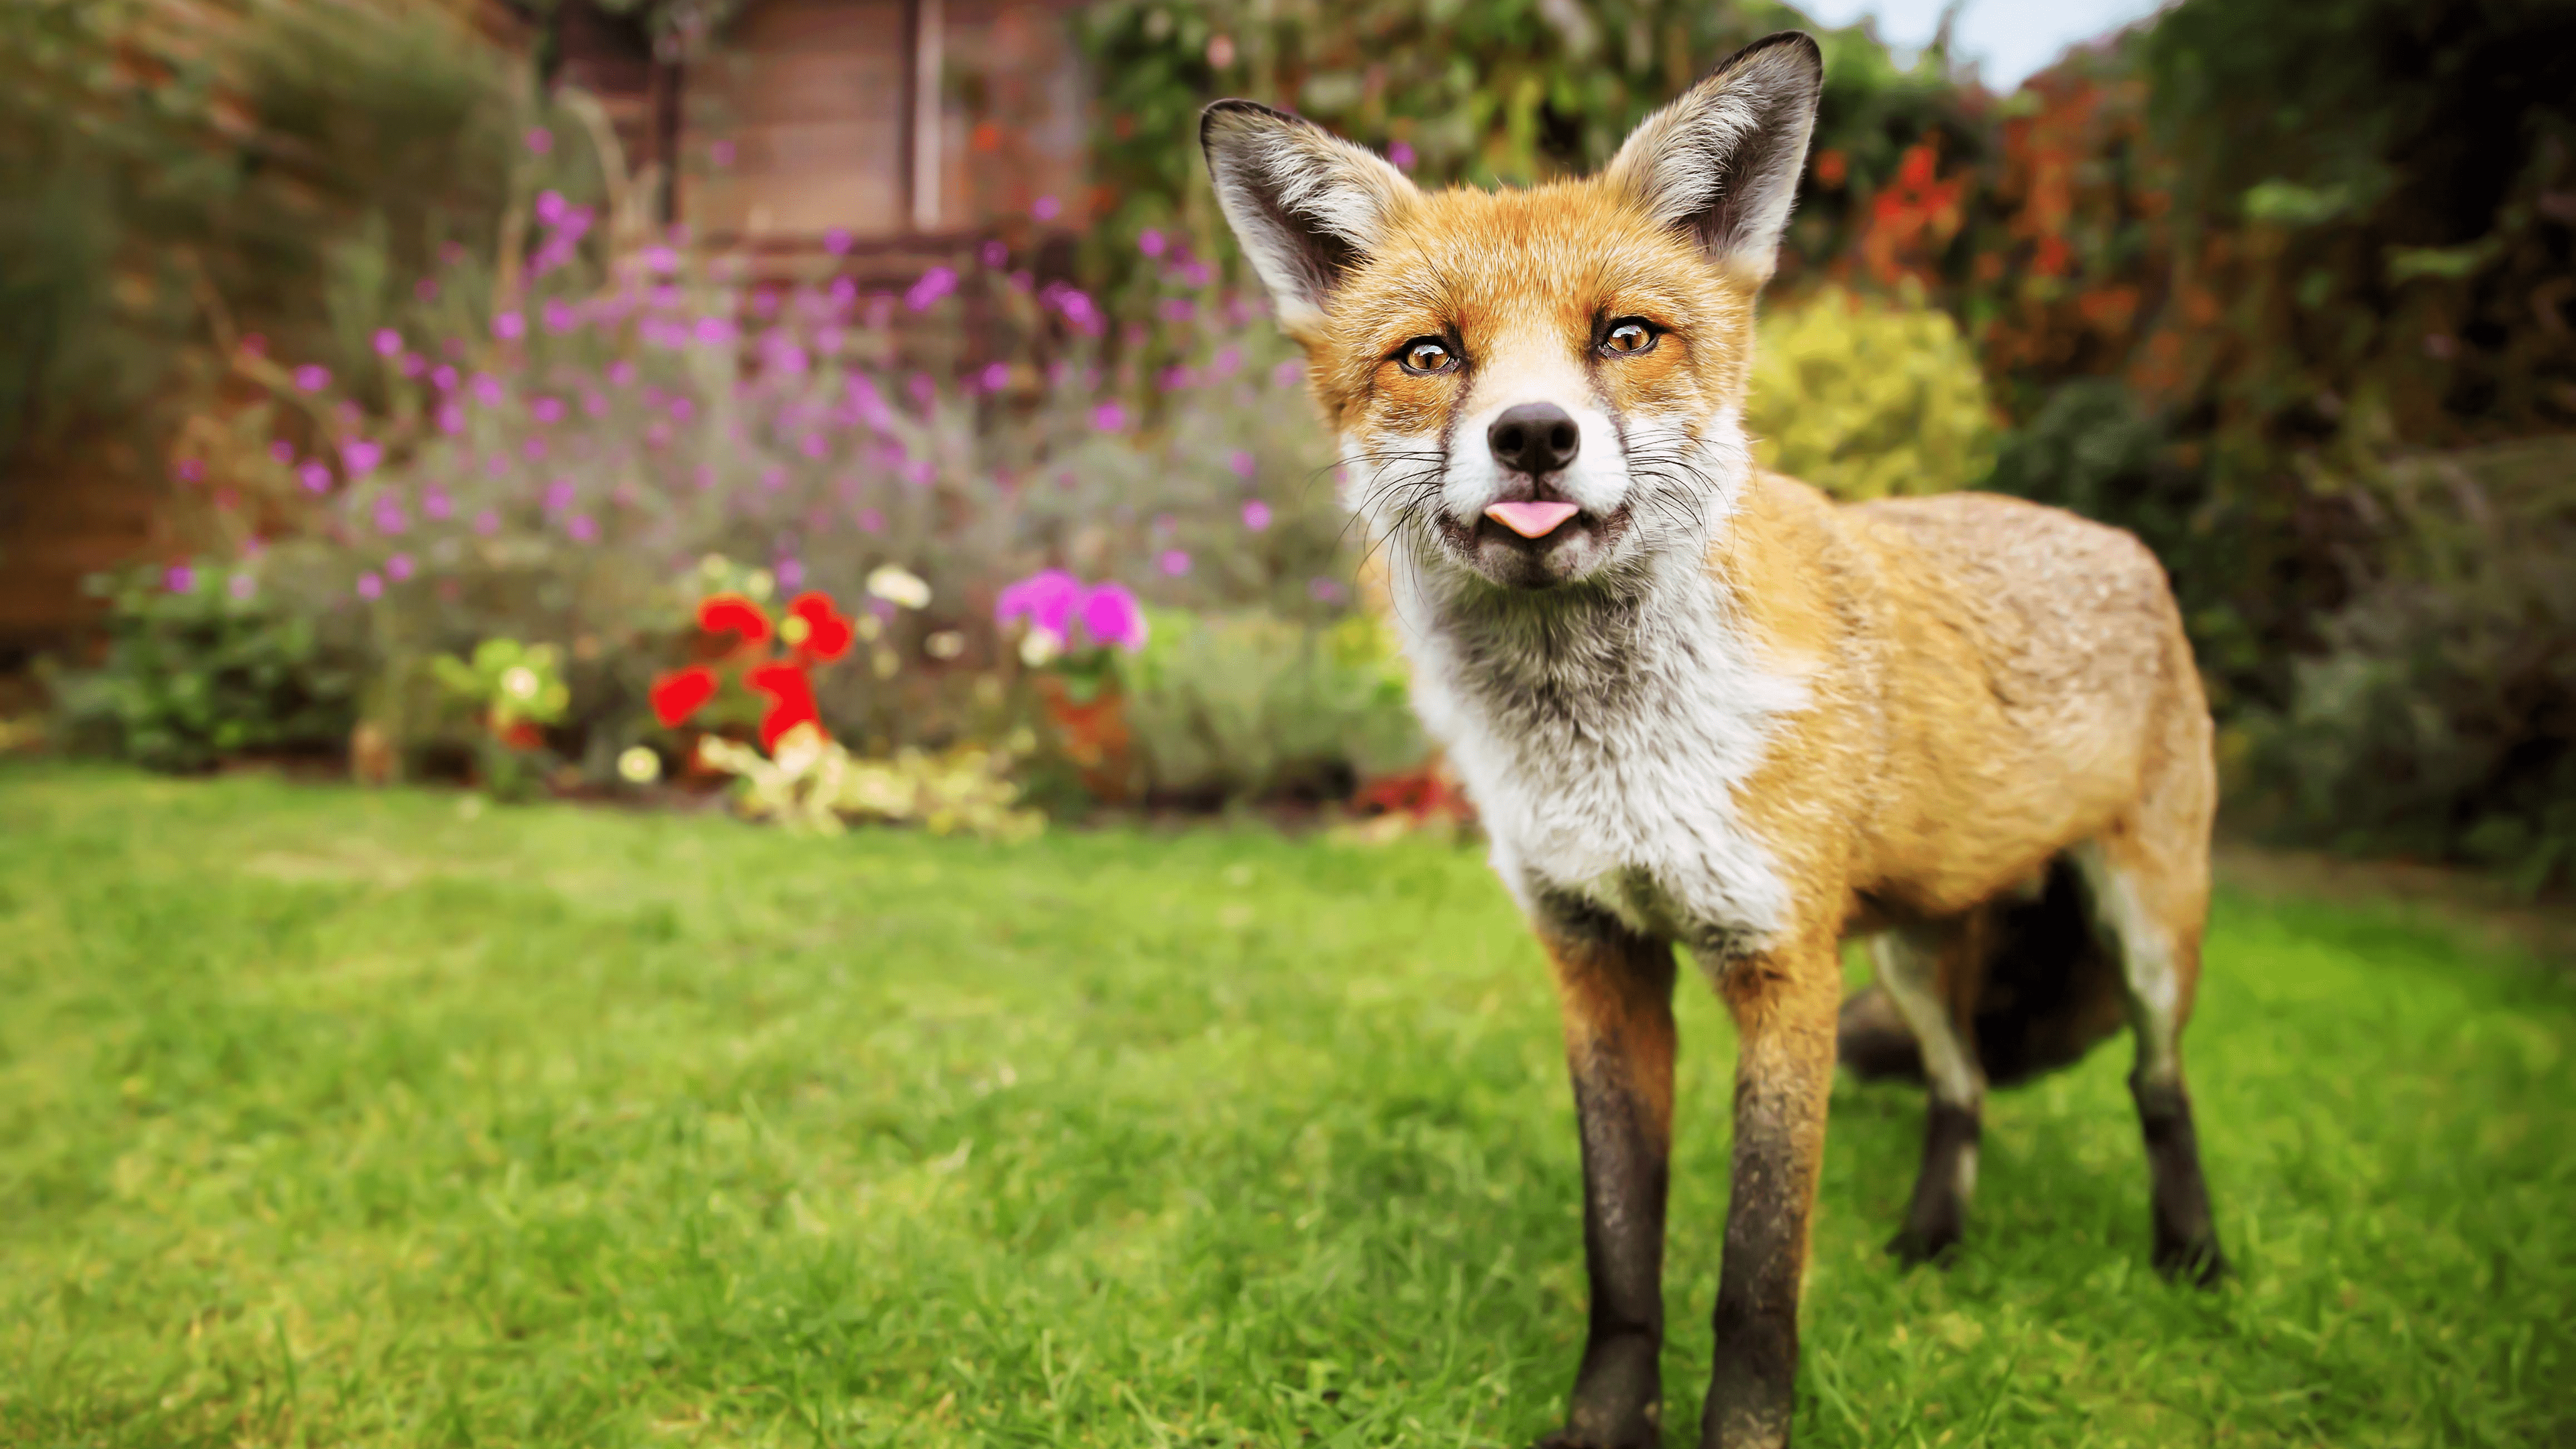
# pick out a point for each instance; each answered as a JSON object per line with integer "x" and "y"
{"x": 1111, "y": 615}
{"x": 282, "y": 451}
{"x": 1151, "y": 242}
{"x": 1256, "y": 515}
{"x": 1241, "y": 462}
{"x": 539, "y": 140}
{"x": 559, "y": 315}
{"x": 546, "y": 409}
{"x": 426, "y": 289}
{"x": 487, "y": 389}
{"x": 242, "y": 586}
{"x": 994, "y": 254}
{"x": 533, "y": 449}
{"x": 871, "y": 521}
{"x": 1401, "y": 154}
{"x": 360, "y": 456}
{"x": 312, "y": 377}
{"x": 398, "y": 568}
{"x": 559, "y": 495}
{"x": 509, "y": 326}
{"x": 997, "y": 375}
{"x": 1325, "y": 591}
{"x": 721, "y": 153}
{"x": 413, "y": 364}
{"x": 388, "y": 342}
{"x": 936, "y": 283}
{"x": 191, "y": 470}
{"x": 1288, "y": 373}
{"x": 451, "y": 418}
{"x": 315, "y": 475}
{"x": 434, "y": 503}
{"x": 595, "y": 404}
{"x": 179, "y": 578}
{"x": 582, "y": 528}
{"x": 1175, "y": 562}
{"x": 1047, "y": 208}
{"x": 1047, "y": 600}
{"x": 621, "y": 373}
{"x": 661, "y": 261}
{"x": 837, "y": 240}
{"x": 550, "y": 207}
{"x": 487, "y": 523}
{"x": 790, "y": 572}
{"x": 370, "y": 586}
{"x": 713, "y": 331}
{"x": 1109, "y": 417}
{"x": 443, "y": 377}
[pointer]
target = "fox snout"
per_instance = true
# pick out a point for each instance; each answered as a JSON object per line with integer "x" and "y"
{"x": 1533, "y": 439}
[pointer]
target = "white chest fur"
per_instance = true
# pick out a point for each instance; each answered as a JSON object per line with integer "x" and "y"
{"x": 1604, "y": 742}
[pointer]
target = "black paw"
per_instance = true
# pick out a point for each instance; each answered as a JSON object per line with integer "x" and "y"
{"x": 1913, "y": 1248}
{"x": 1645, "y": 1436}
{"x": 2198, "y": 1263}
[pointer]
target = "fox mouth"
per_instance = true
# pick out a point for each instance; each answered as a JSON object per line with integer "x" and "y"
{"x": 1534, "y": 544}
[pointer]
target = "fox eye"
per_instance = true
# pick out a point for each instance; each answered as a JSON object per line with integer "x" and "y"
{"x": 1629, "y": 336}
{"x": 1426, "y": 355}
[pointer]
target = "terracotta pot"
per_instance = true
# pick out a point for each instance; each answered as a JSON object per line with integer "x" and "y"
{"x": 1093, "y": 734}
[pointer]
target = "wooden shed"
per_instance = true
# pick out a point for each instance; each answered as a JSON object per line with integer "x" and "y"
{"x": 905, "y": 125}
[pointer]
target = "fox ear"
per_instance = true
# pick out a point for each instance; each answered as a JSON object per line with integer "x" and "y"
{"x": 1306, "y": 205}
{"x": 1723, "y": 161}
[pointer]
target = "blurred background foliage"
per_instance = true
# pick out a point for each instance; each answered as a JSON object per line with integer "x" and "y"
{"x": 2286, "y": 286}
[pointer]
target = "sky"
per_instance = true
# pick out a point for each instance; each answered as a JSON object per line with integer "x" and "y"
{"x": 2009, "y": 39}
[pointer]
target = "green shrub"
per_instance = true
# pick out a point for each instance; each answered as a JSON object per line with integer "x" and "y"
{"x": 2441, "y": 718}
{"x": 201, "y": 666}
{"x": 1867, "y": 399}
{"x": 1249, "y": 706}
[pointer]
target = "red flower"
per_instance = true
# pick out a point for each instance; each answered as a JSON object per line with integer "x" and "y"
{"x": 827, "y": 630}
{"x": 519, "y": 734}
{"x": 677, "y": 695}
{"x": 722, "y": 612}
{"x": 791, "y": 699}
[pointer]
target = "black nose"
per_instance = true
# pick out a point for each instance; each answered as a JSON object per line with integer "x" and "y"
{"x": 1534, "y": 438}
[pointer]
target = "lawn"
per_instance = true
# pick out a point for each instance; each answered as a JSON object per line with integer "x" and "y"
{"x": 331, "y": 1117}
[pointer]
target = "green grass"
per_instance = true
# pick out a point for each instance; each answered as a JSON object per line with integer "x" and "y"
{"x": 341, "y": 1118}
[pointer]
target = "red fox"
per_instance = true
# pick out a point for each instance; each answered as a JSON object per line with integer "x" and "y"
{"x": 1696, "y": 703}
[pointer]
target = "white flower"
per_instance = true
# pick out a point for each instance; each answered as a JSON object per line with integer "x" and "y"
{"x": 946, "y": 644}
{"x": 896, "y": 586}
{"x": 639, "y": 766}
{"x": 761, "y": 584}
{"x": 519, "y": 682}
{"x": 1040, "y": 646}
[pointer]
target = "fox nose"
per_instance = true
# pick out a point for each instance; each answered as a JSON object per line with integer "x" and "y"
{"x": 1534, "y": 438}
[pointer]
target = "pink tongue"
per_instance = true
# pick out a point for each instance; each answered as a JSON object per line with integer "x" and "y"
{"x": 1531, "y": 520}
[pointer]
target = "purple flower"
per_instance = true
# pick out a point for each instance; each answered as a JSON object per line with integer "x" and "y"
{"x": 1256, "y": 515}
{"x": 539, "y": 140}
{"x": 871, "y": 521}
{"x": 995, "y": 255}
{"x": 443, "y": 377}
{"x": 559, "y": 495}
{"x": 1047, "y": 600}
{"x": 559, "y": 315}
{"x": 704, "y": 477}
{"x": 426, "y": 289}
{"x": 814, "y": 445}
{"x": 242, "y": 586}
{"x": 550, "y": 207}
{"x": 1288, "y": 373}
{"x": 582, "y": 528}
{"x": 713, "y": 331}
{"x": 282, "y": 451}
{"x": 936, "y": 283}
{"x": 360, "y": 456}
{"x": 772, "y": 478}
{"x": 370, "y": 587}
{"x": 837, "y": 240}
{"x": 682, "y": 408}
{"x": 398, "y": 568}
{"x": 595, "y": 404}
{"x": 533, "y": 449}
{"x": 390, "y": 519}
{"x": 191, "y": 470}
{"x": 1324, "y": 591}
{"x": 388, "y": 342}
{"x": 487, "y": 389}
{"x": 179, "y": 578}
{"x": 315, "y": 475}
{"x": 1241, "y": 462}
{"x": 1151, "y": 242}
{"x": 621, "y": 373}
{"x": 997, "y": 375}
{"x": 546, "y": 409}
{"x": 451, "y": 418}
{"x": 790, "y": 572}
{"x": 434, "y": 503}
{"x": 1175, "y": 562}
{"x": 1178, "y": 309}
{"x": 1047, "y": 208}
{"x": 1109, "y": 417}
{"x": 1401, "y": 154}
{"x": 312, "y": 377}
{"x": 1111, "y": 615}
{"x": 487, "y": 523}
{"x": 661, "y": 261}
{"x": 509, "y": 326}
{"x": 413, "y": 364}
{"x": 721, "y": 153}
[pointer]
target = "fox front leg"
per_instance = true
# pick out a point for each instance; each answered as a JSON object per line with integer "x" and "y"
{"x": 1616, "y": 991}
{"x": 1784, "y": 1004}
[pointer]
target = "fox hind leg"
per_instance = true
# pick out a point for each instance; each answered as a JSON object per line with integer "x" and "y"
{"x": 1924, "y": 971}
{"x": 2148, "y": 905}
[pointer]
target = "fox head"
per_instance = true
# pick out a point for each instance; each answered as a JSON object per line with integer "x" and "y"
{"x": 1544, "y": 387}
